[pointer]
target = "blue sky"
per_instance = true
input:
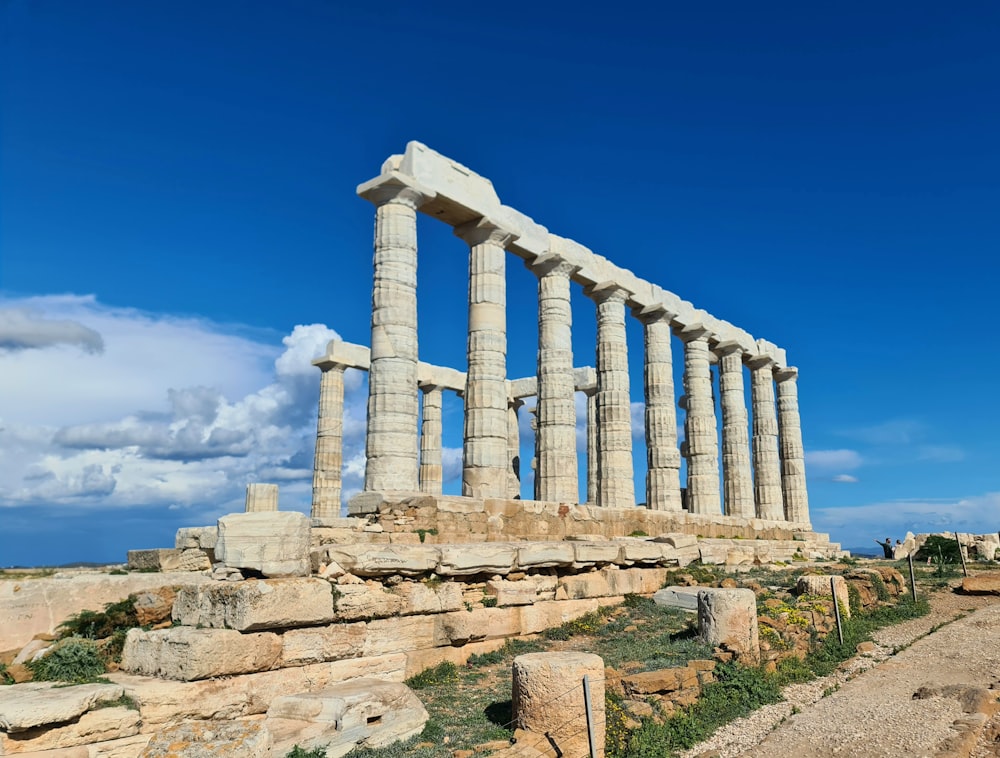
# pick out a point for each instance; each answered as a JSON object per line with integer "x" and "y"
{"x": 179, "y": 233}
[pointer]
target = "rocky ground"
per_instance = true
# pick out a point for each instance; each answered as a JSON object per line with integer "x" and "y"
{"x": 924, "y": 689}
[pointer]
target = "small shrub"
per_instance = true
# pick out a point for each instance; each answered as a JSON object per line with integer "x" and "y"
{"x": 75, "y": 661}
{"x": 5, "y": 678}
{"x": 118, "y": 572}
{"x": 125, "y": 701}
{"x": 96, "y": 625}
{"x": 443, "y": 673}
{"x": 939, "y": 549}
{"x": 881, "y": 591}
{"x": 489, "y": 601}
{"x": 638, "y": 533}
{"x": 297, "y": 752}
{"x": 422, "y": 533}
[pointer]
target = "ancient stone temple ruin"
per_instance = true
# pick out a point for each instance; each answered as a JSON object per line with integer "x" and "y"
{"x": 762, "y": 472}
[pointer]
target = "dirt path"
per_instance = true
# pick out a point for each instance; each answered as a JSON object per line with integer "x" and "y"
{"x": 867, "y": 708}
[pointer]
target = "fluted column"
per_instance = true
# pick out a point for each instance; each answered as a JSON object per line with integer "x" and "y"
{"x": 391, "y": 446}
{"x": 737, "y": 479}
{"x": 592, "y": 463}
{"x": 793, "y": 464}
{"x": 556, "y": 475}
{"x": 700, "y": 425}
{"x": 431, "y": 476}
{"x": 766, "y": 464}
{"x": 615, "y": 485}
{"x": 513, "y": 449}
{"x": 329, "y": 457}
{"x": 663, "y": 458}
{"x": 484, "y": 452}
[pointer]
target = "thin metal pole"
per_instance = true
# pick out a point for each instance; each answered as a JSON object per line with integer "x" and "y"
{"x": 590, "y": 716}
{"x": 836, "y": 609}
{"x": 965, "y": 569}
{"x": 913, "y": 581}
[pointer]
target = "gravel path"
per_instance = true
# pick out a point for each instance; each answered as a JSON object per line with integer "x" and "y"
{"x": 867, "y": 708}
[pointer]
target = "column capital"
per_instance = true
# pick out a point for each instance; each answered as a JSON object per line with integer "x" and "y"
{"x": 427, "y": 387}
{"x": 651, "y": 314}
{"x": 759, "y": 361}
{"x": 325, "y": 364}
{"x": 396, "y": 188}
{"x": 727, "y": 347}
{"x": 789, "y": 373}
{"x": 693, "y": 332}
{"x": 551, "y": 263}
{"x": 602, "y": 292}
{"x": 481, "y": 230}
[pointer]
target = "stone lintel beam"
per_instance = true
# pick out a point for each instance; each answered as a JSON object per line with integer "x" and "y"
{"x": 350, "y": 355}
{"x": 654, "y": 312}
{"x": 694, "y": 331}
{"x": 727, "y": 347}
{"x": 584, "y": 380}
{"x": 758, "y": 361}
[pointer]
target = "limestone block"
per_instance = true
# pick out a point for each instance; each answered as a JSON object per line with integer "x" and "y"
{"x": 820, "y": 585}
{"x": 366, "y": 601}
{"x": 521, "y": 592}
{"x": 435, "y": 597}
{"x": 32, "y": 651}
{"x": 636, "y": 581}
{"x": 677, "y": 539}
{"x": 594, "y": 584}
{"x": 981, "y": 585}
{"x": 595, "y": 553}
{"x": 169, "y": 559}
{"x": 187, "y": 654}
{"x": 338, "y": 718}
{"x": 208, "y": 739}
{"x": 685, "y": 598}
{"x": 640, "y": 551}
{"x": 549, "y": 613}
{"x": 275, "y": 544}
{"x": 544, "y": 554}
{"x": 33, "y": 704}
{"x": 382, "y": 560}
{"x": 93, "y": 726}
{"x": 484, "y": 558}
{"x": 713, "y": 554}
{"x": 165, "y": 701}
{"x": 203, "y": 537}
{"x": 256, "y": 605}
{"x": 322, "y": 643}
{"x": 663, "y": 680}
{"x": 461, "y": 627}
{"x": 400, "y": 635}
{"x": 154, "y": 606}
{"x": 727, "y": 618}
{"x": 548, "y": 698}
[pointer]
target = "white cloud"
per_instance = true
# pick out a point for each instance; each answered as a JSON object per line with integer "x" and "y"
{"x": 827, "y": 461}
{"x": 25, "y": 328}
{"x": 845, "y": 478}
{"x": 172, "y": 412}
{"x": 894, "y": 432}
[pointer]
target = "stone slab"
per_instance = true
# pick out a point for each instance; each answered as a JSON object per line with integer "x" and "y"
{"x": 276, "y": 544}
{"x": 169, "y": 559}
{"x": 186, "y": 653}
{"x": 256, "y": 605}
{"x": 23, "y": 706}
{"x": 100, "y": 725}
{"x": 210, "y": 739}
{"x": 381, "y": 560}
{"x": 685, "y": 598}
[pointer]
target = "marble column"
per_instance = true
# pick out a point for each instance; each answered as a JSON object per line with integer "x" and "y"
{"x": 663, "y": 458}
{"x": 615, "y": 485}
{"x": 514, "y": 448}
{"x": 793, "y": 464}
{"x": 431, "y": 476}
{"x": 329, "y": 457}
{"x": 555, "y": 447}
{"x": 592, "y": 463}
{"x": 700, "y": 425}
{"x": 391, "y": 445}
{"x": 766, "y": 464}
{"x": 484, "y": 452}
{"x": 737, "y": 478}
{"x": 261, "y": 498}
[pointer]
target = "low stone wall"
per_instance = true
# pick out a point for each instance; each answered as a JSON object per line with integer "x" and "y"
{"x": 464, "y": 519}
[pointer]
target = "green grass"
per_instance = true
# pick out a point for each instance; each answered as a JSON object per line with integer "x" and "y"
{"x": 5, "y": 678}
{"x": 75, "y": 661}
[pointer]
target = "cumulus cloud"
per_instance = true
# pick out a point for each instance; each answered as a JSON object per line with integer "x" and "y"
{"x": 827, "y": 461}
{"x": 173, "y": 412}
{"x": 24, "y": 329}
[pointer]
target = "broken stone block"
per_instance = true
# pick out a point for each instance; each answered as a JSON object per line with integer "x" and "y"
{"x": 23, "y": 706}
{"x": 168, "y": 559}
{"x": 677, "y": 539}
{"x": 322, "y": 643}
{"x": 727, "y": 618}
{"x": 187, "y": 654}
{"x": 483, "y": 558}
{"x": 381, "y": 560}
{"x": 595, "y": 553}
{"x": 685, "y": 598}
{"x": 255, "y": 605}
{"x": 544, "y": 555}
{"x": 640, "y": 551}
{"x": 275, "y": 544}
{"x": 820, "y": 585}
{"x": 93, "y": 726}
{"x": 367, "y": 712}
{"x": 209, "y": 739}
{"x": 203, "y": 537}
